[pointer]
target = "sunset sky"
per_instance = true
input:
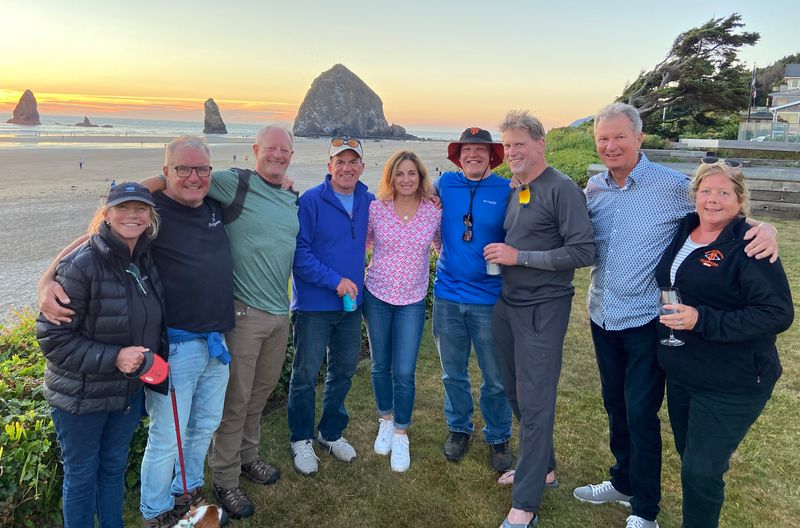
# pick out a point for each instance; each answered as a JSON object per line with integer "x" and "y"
{"x": 435, "y": 64}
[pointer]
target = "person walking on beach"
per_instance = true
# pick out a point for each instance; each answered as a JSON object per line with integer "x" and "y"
{"x": 403, "y": 227}
{"x": 547, "y": 236}
{"x": 327, "y": 294}
{"x": 199, "y": 308}
{"x": 473, "y": 204}
{"x": 636, "y": 207}
{"x": 80, "y": 164}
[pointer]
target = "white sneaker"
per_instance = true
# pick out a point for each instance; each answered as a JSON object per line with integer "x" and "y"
{"x": 634, "y": 521}
{"x": 340, "y": 449}
{"x": 400, "y": 459}
{"x": 383, "y": 442}
{"x": 304, "y": 458}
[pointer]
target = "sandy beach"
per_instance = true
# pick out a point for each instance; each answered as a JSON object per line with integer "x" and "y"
{"x": 47, "y": 199}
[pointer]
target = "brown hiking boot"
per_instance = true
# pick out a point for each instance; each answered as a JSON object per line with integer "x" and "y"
{"x": 261, "y": 472}
{"x": 168, "y": 519}
{"x": 183, "y": 503}
{"x": 234, "y": 502}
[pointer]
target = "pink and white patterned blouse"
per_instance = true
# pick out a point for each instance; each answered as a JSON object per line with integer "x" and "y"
{"x": 398, "y": 273}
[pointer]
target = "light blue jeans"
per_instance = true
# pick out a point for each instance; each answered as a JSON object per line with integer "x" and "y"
{"x": 200, "y": 383}
{"x": 394, "y": 333}
{"x": 457, "y": 327}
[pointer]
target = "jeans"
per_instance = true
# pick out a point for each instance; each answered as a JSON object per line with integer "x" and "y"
{"x": 456, "y": 328}
{"x": 94, "y": 451}
{"x": 708, "y": 426}
{"x": 339, "y": 334}
{"x": 633, "y": 390}
{"x": 394, "y": 333}
{"x": 200, "y": 383}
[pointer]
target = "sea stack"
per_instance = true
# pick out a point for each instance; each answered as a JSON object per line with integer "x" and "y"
{"x": 340, "y": 104}
{"x": 213, "y": 123}
{"x": 26, "y": 112}
{"x": 86, "y": 123}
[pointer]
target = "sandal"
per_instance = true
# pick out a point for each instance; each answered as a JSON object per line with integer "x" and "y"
{"x": 507, "y": 479}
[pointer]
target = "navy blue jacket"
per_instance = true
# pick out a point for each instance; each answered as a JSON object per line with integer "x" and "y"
{"x": 742, "y": 303}
{"x": 330, "y": 245}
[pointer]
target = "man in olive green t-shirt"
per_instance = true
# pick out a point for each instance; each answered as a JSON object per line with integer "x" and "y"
{"x": 261, "y": 220}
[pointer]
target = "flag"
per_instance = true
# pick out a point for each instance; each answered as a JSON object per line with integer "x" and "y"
{"x": 753, "y": 90}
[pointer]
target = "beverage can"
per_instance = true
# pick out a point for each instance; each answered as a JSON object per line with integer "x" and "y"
{"x": 348, "y": 303}
{"x": 492, "y": 268}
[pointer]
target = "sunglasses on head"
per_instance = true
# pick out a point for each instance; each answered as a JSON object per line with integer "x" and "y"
{"x": 344, "y": 140}
{"x": 524, "y": 195}
{"x": 732, "y": 163}
{"x": 467, "y": 236}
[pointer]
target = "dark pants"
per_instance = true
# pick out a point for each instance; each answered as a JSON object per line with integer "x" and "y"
{"x": 94, "y": 451}
{"x": 528, "y": 341}
{"x": 633, "y": 390}
{"x": 708, "y": 427}
{"x": 315, "y": 333}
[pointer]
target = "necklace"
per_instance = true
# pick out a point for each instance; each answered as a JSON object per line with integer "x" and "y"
{"x": 406, "y": 212}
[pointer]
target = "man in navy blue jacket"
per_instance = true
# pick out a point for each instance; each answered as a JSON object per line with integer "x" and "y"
{"x": 328, "y": 265}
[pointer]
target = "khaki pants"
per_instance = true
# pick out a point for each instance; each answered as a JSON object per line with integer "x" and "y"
{"x": 258, "y": 348}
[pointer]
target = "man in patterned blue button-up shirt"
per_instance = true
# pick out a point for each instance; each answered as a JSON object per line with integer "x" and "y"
{"x": 635, "y": 208}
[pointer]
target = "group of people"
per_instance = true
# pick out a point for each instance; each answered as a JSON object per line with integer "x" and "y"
{"x": 193, "y": 267}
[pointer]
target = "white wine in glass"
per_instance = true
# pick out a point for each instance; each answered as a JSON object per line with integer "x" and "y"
{"x": 670, "y": 296}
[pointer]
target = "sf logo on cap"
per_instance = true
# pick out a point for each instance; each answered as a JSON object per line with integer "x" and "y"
{"x": 474, "y": 130}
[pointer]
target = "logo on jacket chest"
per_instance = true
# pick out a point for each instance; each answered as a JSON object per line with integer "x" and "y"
{"x": 712, "y": 258}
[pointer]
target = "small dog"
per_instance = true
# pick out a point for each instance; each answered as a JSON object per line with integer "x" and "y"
{"x": 208, "y": 516}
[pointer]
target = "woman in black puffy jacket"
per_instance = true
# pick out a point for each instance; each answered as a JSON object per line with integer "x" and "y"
{"x": 93, "y": 362}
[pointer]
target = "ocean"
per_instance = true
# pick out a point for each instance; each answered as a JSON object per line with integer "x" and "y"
{"x": 122, "y": 127}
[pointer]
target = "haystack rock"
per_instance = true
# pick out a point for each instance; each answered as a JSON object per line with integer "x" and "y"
{"x": 26, "y": 112}
{"x": 213, "y": 123}
{"x": 341, "y": 104}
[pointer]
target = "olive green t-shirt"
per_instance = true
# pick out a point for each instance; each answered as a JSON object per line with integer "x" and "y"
{"x": 262, "y": 240}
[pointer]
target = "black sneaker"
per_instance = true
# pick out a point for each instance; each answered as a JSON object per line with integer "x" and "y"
{"x": 166, "y": 519}
{"x": 261, "y": 472}
{"x": 234, "y": 502}
{"x": 500, "y": 457}
{"x": 455, "y": 448}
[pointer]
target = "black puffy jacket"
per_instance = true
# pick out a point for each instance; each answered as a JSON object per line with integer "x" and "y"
{"x": 81, "y": 376}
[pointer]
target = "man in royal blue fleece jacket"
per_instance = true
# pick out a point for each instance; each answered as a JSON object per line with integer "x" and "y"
{"x": 328, "y": 265}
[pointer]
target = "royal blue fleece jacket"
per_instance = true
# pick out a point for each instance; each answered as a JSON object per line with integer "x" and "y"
{"x": 330, "y": 245}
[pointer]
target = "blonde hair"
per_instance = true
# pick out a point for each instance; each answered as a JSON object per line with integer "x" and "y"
{"x": 386, "y": 185}
{"x": 734, "y": 174}
{"x": 99, "y": 217}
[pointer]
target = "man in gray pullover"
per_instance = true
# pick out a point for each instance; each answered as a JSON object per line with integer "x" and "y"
{"x": 548, "y": 235}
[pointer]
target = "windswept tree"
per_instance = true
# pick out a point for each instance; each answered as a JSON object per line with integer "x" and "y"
{"x": 699, "y": 80}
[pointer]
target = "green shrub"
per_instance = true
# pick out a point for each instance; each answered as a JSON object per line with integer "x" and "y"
{"x": 30, "y": 474}
{"x": 652, "y": 141}
{"x": 574, "y": 163}
{"x": 570, "y": 138}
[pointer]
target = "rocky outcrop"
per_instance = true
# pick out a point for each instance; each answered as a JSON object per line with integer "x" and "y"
{"x": 26, "y": 112}
{"x": 340, "y": 104}
{"x": 86, "y": 123}
{"x": 213, "y": 124}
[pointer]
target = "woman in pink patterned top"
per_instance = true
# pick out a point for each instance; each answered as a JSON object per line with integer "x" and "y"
{"x": 403, "y": 226}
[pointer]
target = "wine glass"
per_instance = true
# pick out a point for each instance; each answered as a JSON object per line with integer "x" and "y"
{"x": 670, "y": 296}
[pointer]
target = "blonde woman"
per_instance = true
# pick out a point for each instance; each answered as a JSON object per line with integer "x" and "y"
{"x": 94, "y": 360}
{"x": 731, "y": 307}
{"x": 403, "y": 226}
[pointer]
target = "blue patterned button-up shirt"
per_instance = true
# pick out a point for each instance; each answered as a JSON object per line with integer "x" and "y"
{"x": 633, "y": 225}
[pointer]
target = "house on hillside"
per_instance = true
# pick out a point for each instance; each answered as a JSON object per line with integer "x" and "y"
{"x": 784, "y": 125}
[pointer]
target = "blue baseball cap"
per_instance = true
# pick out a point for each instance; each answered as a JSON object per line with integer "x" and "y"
{"x": 129, "y": 192}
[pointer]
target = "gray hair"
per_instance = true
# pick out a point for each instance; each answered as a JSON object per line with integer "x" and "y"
{"x": 267, "y": 129}
{"x": 194, "y": 142}
{"x": 522, "y": 119}
{"x": 620, "y": 109}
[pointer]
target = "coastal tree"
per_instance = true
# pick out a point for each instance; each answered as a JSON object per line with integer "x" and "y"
{"x": 699, "y": 81}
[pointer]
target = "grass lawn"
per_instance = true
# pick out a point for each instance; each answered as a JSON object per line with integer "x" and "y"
{"x": 763, "y": 484}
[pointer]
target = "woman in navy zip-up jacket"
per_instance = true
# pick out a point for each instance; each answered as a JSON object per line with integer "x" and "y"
{"x": 732, "y": 307}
